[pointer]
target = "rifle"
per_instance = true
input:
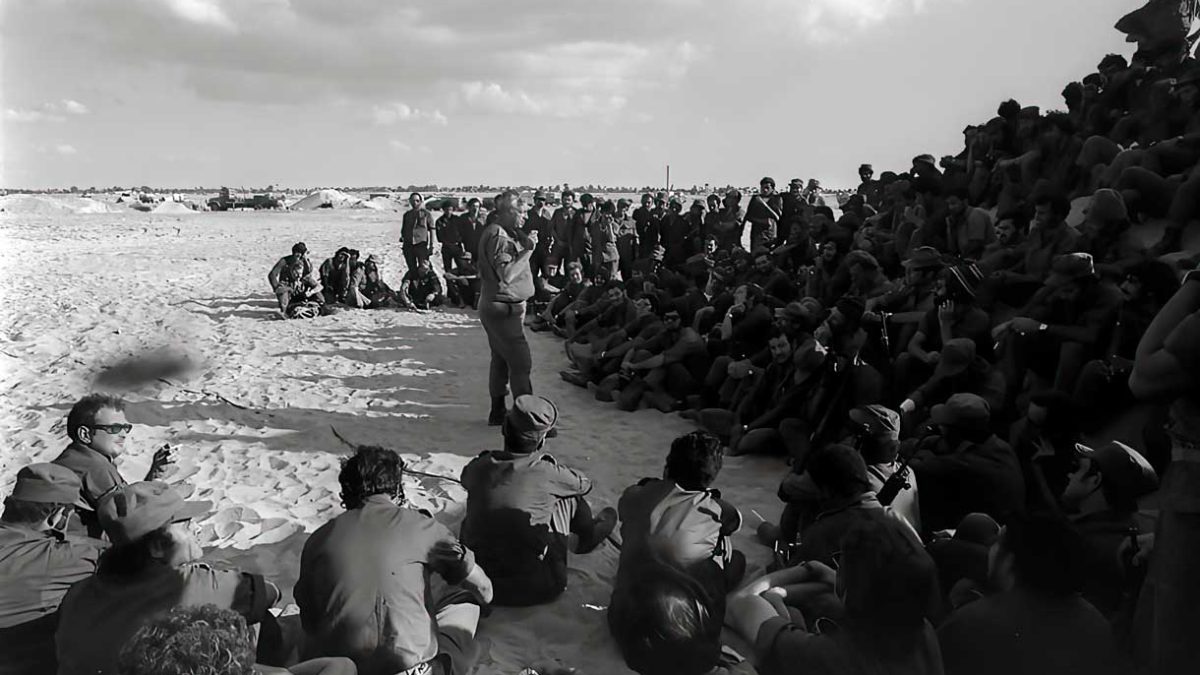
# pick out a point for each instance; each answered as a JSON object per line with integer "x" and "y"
{"x": 899, "y": 480}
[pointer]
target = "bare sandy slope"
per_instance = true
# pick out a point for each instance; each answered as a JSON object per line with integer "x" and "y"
{"x": 83, "y": 294}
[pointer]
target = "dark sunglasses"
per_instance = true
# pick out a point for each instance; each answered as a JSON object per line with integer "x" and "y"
{"x": 671, "y": 317}
{"x": 112, "y": 428}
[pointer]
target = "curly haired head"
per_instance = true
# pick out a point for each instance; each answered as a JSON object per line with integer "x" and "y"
{"x": 198, "y": 640}
{"x": 371, "y": 470}
{"x": 695, "y": 460}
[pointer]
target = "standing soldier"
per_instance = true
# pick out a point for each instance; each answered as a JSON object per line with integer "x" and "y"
{"x": 603, "y": 235}
{"x": 469, "y": 225}
{"x": 416, "y": 232}
{"x": 560, "y": 227}
{"x": 627, "y": 242}
{"x": 505, "y": 285}
{"x": 447, "y": 233}
{"x": 580, "y": 249}
{"x": 658, "y": 222}
{"x": 538, "y": 220}
{"x": 647, "y": 236}
{"x": 763, "y": 213}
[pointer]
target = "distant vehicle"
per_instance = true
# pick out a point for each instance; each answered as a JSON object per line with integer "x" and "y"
{"x": 227, "y": 201}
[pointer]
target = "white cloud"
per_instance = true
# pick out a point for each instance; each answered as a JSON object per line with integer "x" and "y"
{"x": 24, "y": 115}
{"x": 393, "y": 113}
{"x": 65, "y": 149}
{"x": 206, "y": 12}
{"x": 824, "y": 21}
{"x": 491, "y": 97}
{"x": 400, "y": 146}
{"x": 74, "y": 107}
{"x": 46, "y": 112}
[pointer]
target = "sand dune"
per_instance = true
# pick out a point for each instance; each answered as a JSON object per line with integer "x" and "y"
{"x": 252, "y": 402}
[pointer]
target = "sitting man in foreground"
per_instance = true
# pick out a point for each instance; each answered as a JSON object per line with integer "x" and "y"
{"x": 675, "y": 534}
{"x": 38, "y": 563}
{"x": 153, "y": 566}
{"x": 175, "y": 642}
{"x": 364, "y": 588}
{"x": 523, "y": 507}
{"x": 98, "y": 430}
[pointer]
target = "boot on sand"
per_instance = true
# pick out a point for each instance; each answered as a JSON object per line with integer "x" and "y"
{"x": 499, "y": 410}
{"x": 605, "y": 522}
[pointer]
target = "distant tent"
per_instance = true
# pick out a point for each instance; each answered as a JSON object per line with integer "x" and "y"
{"x": 327, "y": 199}
{"x": 172, "y": 207}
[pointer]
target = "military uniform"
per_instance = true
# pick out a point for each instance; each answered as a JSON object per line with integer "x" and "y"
{"x": 416, "y": 236}
{"x": 98, "y": 476}
{"x": 519, "y": 513}
{"x": 364, "y": 592}
{"x": 101, "y": 613}
{"x": 37, "y": 568}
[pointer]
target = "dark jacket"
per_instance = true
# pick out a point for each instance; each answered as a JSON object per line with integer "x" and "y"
{"x": 510, "y": 522}
{"x": 969, "y": 478}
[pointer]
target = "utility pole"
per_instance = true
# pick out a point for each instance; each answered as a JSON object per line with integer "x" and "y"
{"x": 668, "y": 178}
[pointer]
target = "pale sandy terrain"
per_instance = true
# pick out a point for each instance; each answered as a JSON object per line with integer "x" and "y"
{"x": 82, "y": 293}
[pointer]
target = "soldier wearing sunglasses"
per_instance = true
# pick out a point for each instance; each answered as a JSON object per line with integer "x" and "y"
{"x": 98, "y": 430}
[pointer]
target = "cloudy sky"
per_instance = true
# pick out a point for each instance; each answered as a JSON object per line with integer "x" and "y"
{"x": 387, "y": 92}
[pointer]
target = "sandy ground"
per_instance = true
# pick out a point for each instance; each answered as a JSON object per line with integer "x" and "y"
{"x": 82, "y": 295}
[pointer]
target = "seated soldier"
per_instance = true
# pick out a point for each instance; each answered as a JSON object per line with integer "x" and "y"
{"x": 565, "y": 299}
{"x": 603, "y": 357}
{"x": 288, "y": 275}
{"x": 663, "y": 373}
{"x": 743, "y": 338}
{"x": 421, "y": 287}
{"x": 335, "y": 276}
{"x": 583, "y": 308}
{"x": 880, "y": 595}
{"x": 462, "y": 281}
{"x": 98, "y": 430}
{"x": 39, "y": 561}
{"x": 778, "y": 289}
{"x": 153, "y": 565}
{"x": 681, "y": 522}
{"x": 364, "y": 587}
{"x": 674, "y": 627}
{"x": 523, "y": 507}
{"x": 965, "y": 468}
{"x": 595, "y": 322}
{"x": 958, "y": 370}
{"x": 791, "y": 410}
{"x": 1006, "y": 251}
{"x": 1101, "y": 501}
{"x": 875, "y": 433}
{"x": 1065, "y": 325}
{"x": 1035, "y": 564}
{"x": 175, "y": 642}
{"x": 372, "y": 287}
{"x": 837, "y": 476}
{"x": 758, "y": 393}
{"x": 846, "y": 382}
{"x": 308, "y": 301}
{"x": 956, "y": 315}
